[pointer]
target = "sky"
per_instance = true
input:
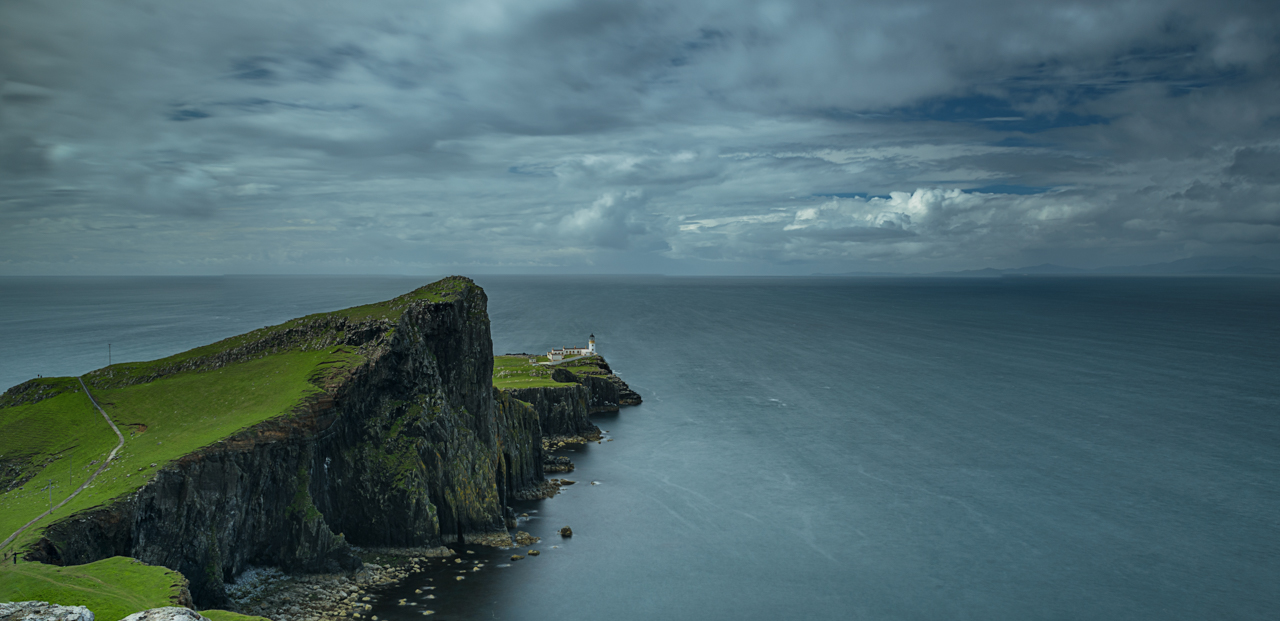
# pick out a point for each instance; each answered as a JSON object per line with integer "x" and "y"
{"x": 637, "y": 136}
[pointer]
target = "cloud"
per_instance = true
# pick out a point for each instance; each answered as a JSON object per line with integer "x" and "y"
{"x": 613, "y": 221}
{"x": 1256, "y": 165}
{"x": 694, "y": 136}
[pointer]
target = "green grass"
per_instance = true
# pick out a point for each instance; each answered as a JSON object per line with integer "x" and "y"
{"x": 180, "y": 414}
{"x": 65, "y": 427}
{"x": 517, "y": 372}
{"x": 443, "y": 290}
{"x": 112, "y": 588}
{"x": 56, "y": 442}
{"x": 56, "y": 439}
{"x": 585, "y": 366}
{"x": 226, "y": 615}
{"x": 53, "y": 443}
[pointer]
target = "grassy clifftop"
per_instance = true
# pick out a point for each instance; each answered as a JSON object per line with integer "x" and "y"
{"x": 52, "y": 439}
{"x": 112, "y": 588}
{"x": 517, "y": 372}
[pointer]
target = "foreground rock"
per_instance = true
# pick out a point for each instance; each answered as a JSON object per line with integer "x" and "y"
{"x": 43, "y": 611}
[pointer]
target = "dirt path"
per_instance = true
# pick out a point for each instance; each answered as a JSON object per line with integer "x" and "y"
{"x": 106, "y": 461}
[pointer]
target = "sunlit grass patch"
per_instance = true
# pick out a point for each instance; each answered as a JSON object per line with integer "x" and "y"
{"x": 162, "y": 421}
{"x": 112, "y": 588}
{"x": 518, "y": 372}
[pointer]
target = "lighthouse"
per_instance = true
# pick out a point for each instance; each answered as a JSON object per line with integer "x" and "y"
{"x": 591, "y": 343}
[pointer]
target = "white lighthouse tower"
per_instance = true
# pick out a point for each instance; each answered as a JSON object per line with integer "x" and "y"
{"x": 591, "y": 344}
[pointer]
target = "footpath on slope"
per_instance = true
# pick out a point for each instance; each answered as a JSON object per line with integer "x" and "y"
{"x": 82, "y": 487}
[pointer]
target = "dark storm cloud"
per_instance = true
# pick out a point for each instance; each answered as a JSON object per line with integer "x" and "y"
{"x": 644, "y": 136}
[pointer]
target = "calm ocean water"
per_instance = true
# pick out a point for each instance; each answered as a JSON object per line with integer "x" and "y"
{"x": 1049, "y": 448}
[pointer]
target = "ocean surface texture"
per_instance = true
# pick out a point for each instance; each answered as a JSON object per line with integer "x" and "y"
{"x": 1016, "y": 448}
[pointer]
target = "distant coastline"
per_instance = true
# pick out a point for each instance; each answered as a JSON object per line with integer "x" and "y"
{"x": 1196, "y": 266}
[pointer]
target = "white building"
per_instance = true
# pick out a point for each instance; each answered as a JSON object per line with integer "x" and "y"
{"x": 556, "y": 355}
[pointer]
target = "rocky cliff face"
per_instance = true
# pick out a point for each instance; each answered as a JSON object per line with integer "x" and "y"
{"x": 411, "y": 448}
{"x": 562, "y": 410}
{"x": 567, "y": 410}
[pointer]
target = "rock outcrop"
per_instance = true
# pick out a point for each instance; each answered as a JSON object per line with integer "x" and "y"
{"x": 411, "y": 448}
{"x": 43, "y": 611}
{"x": 562, "y": 410}
{"x": 565, "y": 411}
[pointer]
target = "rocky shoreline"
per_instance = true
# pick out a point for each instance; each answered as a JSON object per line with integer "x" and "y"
{"x": 325, "y": 597}
{"x": 346, "y": 596}
{"x": 331, "y": 597}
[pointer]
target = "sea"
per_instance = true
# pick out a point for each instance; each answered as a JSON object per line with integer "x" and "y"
{"x": 830, "y": 448}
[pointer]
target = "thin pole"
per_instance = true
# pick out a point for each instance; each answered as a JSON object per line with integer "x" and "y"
{"x": 108, "y": 354}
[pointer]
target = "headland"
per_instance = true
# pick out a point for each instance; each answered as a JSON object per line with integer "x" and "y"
{"x": 387, "y": 429}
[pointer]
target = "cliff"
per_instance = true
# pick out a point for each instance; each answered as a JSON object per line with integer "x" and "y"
{"x": 401, "y": 442}
{"x": 565, "y": 407}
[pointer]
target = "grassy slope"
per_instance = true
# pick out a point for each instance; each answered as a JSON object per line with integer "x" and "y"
{"x": 438, "y": 291}
{"x": 56, "y": 439}
{"x": 181, "y": 413}
{"x": 111, "y": 588}
{"x": 225, "y": 615}
{"x": 518, "y": 372}
{"x": 585, "y": 366}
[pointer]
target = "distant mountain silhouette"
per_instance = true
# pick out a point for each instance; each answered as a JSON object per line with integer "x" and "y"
{"x": 1197, "y": 265}
{"x": 1226, "y": 266}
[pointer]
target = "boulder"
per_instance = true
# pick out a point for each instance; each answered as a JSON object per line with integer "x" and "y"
{"x": 43, "y": 611}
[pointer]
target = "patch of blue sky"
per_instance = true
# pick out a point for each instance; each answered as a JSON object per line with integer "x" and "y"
{"x": 530, "y": 171}
{"x": 707, "y": 37}
{"x": 862, "y": 195}
{"x": 254, "y": 104}
{"x": 996, "y": 114}
{"x": 253, "y": 69}
{"x": 188, "y": 114}
{"x": 1020, "y": 142}
{"x": 1009, "y": 189}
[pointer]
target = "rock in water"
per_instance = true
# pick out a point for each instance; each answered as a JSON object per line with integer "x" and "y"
{"x": 168, "y": 613}
{"x": 566, "y": 532}
{"x": 43, "y": 611}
